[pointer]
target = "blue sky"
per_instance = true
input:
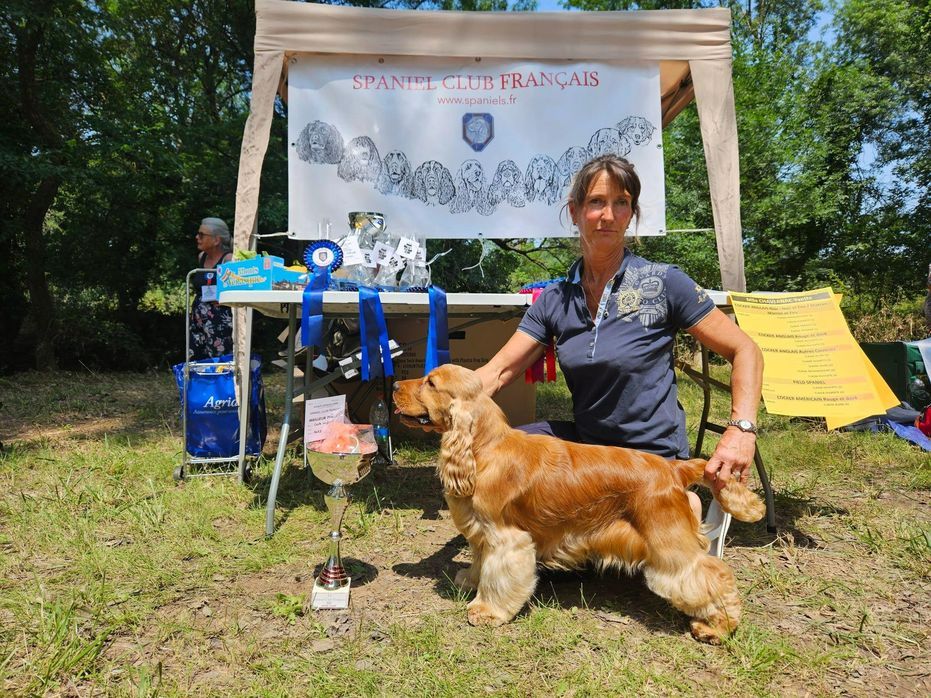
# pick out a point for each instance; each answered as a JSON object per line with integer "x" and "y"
{"x": 549, "y": 6}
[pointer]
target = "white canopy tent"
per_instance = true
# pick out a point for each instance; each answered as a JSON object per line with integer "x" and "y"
{"x": 692, "y": 48}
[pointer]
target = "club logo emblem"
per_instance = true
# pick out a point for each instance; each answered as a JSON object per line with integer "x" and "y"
{"x": 478, "y": 130}
{"x": 323, "y": 254}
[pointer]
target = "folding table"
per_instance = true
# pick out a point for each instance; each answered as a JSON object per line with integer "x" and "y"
{"x": 479, "y": 307}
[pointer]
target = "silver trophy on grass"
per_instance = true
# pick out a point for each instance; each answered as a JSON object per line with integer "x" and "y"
{"x": 339, "y": 470}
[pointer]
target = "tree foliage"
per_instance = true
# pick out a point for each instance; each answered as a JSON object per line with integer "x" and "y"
{"x": 122, "y": 121}
{"x": 833, "y": 121}
{"x": 134, "y": 114}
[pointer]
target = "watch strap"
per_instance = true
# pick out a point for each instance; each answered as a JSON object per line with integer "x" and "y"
{"x": 745, "y": 425}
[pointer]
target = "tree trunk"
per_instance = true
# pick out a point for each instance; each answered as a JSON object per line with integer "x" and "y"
{"x": 29, "y": 40}
{"x": 42, "y": 308}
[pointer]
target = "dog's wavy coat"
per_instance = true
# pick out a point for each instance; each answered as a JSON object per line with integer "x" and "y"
{"x": 520, "y": 499}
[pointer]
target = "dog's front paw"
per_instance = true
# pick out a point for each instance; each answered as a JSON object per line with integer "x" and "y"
{"x": 481, "y": 613}
{"x": 465, "y": 580}
{"x": 703, "y": 632}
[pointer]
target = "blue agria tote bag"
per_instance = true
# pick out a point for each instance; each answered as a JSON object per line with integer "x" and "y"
{"x": 213, "y": 410}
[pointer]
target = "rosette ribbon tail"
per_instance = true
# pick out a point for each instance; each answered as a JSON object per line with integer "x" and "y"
{"x": 312, "y": 308}
{"x": 437, "y": 330}
{"x": 376, "y": 353}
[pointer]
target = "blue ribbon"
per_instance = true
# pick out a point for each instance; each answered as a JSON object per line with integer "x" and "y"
{"x": 312, "y": 308}
{"x": 376, "y": 354}
{"x": 437, "y": 331}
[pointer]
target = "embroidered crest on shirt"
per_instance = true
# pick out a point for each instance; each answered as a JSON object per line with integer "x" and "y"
{"x": 628, "y": 301}
{"x": 702, "y": 296}
{"x": 643, "y": 293}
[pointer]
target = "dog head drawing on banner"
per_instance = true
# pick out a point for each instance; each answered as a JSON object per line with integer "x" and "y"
{"x": 637, "y": 129}
{"x": 571, "y": 162}
{"x": 541, "y": 180}
{"x": 433, "y": 184}
{"x": 507, "y": 185}
{"x": 320, "y": 142}
{"x": 396, "y": 176}
{"x": 360, "y": 162}
{"x": 608, "y": 141}
{"x": 471, "y": 191}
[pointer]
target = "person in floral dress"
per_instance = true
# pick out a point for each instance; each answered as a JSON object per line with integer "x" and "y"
{"x": 211, "y": 323}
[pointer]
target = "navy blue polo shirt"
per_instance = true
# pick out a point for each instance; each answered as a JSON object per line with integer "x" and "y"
{"x": 619, "y": 365}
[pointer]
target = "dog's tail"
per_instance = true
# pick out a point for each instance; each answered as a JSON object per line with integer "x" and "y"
{"x": 735, "y": 498}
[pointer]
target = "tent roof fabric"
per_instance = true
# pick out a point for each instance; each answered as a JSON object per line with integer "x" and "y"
{"x": 645, "y": 35}
{"x": 672, "y": 37}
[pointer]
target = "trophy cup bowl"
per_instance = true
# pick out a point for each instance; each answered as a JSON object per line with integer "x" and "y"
{"x": 366, "y": 222}
{"x": 339, "y": 470}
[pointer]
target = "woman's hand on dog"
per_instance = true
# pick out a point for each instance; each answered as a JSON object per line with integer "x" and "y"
{"x": 731, "y": 458}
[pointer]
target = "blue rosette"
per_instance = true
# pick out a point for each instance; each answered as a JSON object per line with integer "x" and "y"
{"x": 323, "y": 254}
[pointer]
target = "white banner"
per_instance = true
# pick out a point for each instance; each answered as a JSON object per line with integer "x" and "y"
{"x": 456, "y": 148}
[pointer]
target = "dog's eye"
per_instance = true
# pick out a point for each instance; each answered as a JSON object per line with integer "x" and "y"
{"x": 430, "y": 382}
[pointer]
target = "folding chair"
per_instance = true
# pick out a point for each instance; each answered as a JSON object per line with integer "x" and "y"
{"x": 717, "y": 521}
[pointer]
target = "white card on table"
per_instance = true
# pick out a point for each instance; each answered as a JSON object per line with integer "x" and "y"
{"x": 352, "y": 253}
{"x": 382, "y": 252}
{"x": 395, "y": 264}
{"x": 320, "y": 412}
{"x": 368, "y": 258}
{"x": 407, "y": 248}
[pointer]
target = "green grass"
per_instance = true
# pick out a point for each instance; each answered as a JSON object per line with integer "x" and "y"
{"x": 116, "y": 580}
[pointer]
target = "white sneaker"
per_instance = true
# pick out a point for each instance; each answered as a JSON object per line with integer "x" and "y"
{"x": 715, "y": 526}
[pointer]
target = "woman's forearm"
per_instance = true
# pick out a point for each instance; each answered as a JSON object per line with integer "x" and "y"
{"x": 510, "y": 362}
{"x": 746, "y": 381}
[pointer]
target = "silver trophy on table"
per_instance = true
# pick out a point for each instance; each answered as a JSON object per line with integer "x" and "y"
{"x": 366, "y": 228}
{"x": 339, "y": 470}
{"x": 367, "y": 223}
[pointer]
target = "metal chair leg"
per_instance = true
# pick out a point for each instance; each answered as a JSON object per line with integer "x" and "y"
{"x": 706, "y": 400}
{"x": 767, "y": 491}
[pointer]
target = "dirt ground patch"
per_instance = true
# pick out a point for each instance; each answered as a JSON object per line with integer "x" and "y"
{"x": 116, "y": 580}
{"x": 809, "y": 585}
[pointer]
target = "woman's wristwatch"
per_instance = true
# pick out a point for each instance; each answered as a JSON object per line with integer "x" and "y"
{"x": 744, "y": 425}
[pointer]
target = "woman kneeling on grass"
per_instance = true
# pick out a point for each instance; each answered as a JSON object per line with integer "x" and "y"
{"x": 614, "y": 320}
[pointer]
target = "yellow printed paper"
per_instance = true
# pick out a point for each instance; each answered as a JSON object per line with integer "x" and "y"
{"x": 886, "y": 397}
{"x": 814, "y": 367}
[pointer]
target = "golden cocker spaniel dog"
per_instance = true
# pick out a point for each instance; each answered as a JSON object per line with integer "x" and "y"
{"x": 520, "y": 499}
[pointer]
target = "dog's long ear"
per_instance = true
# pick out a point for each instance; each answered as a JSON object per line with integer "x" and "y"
{"x": 447, "y": 188}
{"x": 562, "y": 165}
{"x": 457, "y": 461}
{"x": 418, "y": 188}
{"x": 528, "y": 181}
{"x": 333, "y": 151}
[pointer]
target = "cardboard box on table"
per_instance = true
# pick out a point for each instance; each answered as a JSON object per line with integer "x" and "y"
{"x": 470, "y": 347}
{"x": 264, "y": 273}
